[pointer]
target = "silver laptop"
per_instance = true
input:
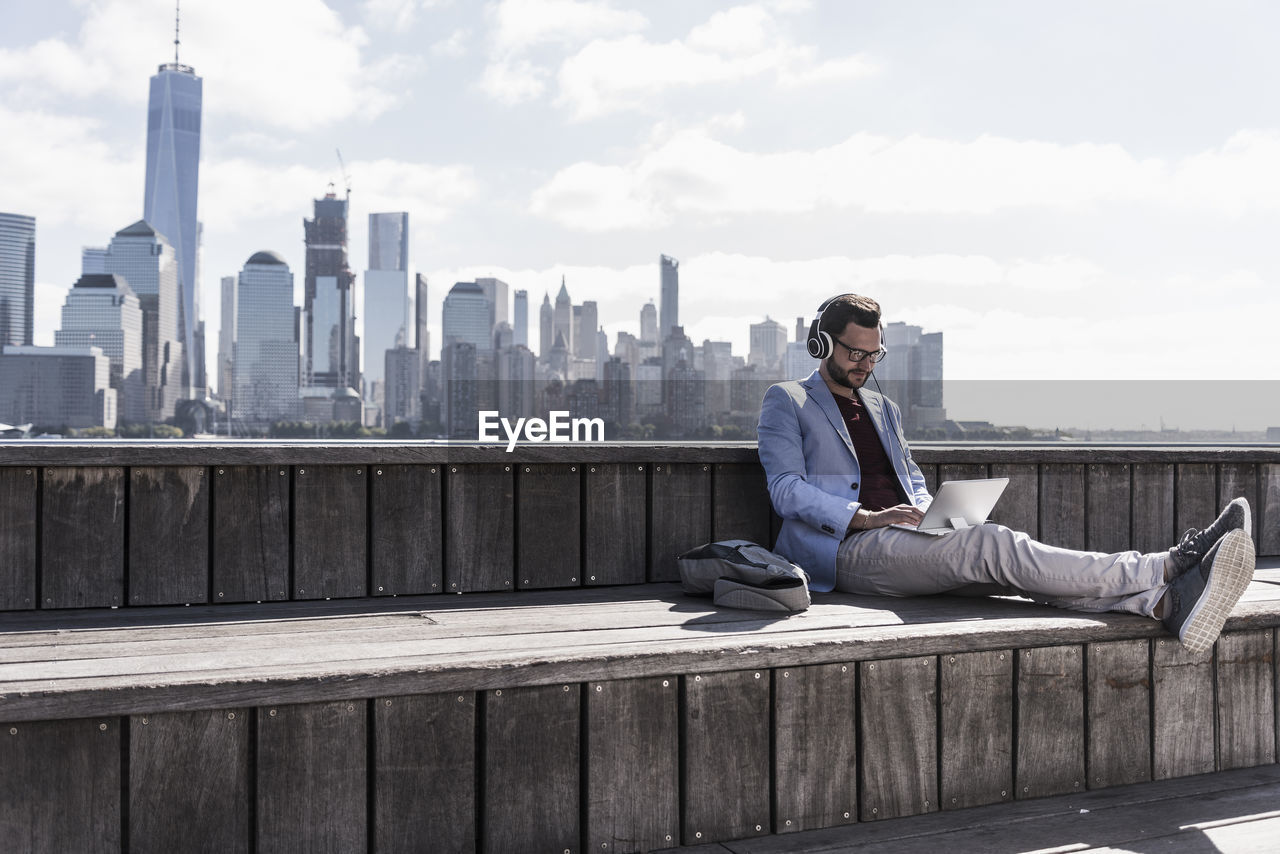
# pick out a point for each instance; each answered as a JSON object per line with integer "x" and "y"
{"x": 960, "y": 504}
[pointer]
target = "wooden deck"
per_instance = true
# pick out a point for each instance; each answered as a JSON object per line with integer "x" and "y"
{"x": 1231, "y": 812}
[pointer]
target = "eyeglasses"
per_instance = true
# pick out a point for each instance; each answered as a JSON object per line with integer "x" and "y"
{"x": 859, "y": 355}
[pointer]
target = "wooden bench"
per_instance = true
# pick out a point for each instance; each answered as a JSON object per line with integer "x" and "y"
{"x": 590, "y": 717}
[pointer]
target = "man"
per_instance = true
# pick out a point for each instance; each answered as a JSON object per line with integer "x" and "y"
{"x": 840, "y": 473}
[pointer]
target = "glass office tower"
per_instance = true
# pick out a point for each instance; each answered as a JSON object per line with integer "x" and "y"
{"x": 387, "y": 299}
{"x": 173, "y": 179}
{"x": 17, "y": 277}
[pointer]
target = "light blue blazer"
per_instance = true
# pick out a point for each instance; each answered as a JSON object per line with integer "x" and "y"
{"x": 813, "y": 471}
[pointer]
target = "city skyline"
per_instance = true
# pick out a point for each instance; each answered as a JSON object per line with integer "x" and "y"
{"x": 782, "y": 151}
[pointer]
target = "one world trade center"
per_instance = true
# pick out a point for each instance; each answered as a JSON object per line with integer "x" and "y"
{"x": 173, "y": 178}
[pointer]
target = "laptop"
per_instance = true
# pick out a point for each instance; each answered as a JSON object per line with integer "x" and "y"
{"x": 960, "y": 504}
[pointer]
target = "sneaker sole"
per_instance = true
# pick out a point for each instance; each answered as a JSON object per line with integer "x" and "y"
{"x": 1228, "y": 578}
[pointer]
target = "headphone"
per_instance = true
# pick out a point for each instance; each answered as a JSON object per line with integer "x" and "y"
{"x": 820, "y": 344}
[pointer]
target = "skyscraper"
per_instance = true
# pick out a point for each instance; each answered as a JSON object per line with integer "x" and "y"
{"x": 330, "y": 313}
{"x": 467, "y": 317}
{"x": 421, "y": 338}
{"x": 562, "y": 322}
{"x": 172, "y": 186}
{"x": 147, "y": 262}
{"x": 102, "y": 311}
{"x": 227, "y": 338}
{"x": 266, "y": 349}
{"x": 386, "y": 292}
{"x": 496, "y": 291}
{"x": 768, "y": 344}
{"x": 546, "y": 327}
{"x": 17, "y": 278}
{"x": 522, "y": 318}
{"x": 669, "y": 311}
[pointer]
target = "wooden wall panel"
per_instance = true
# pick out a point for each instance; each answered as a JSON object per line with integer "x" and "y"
{"x": 424, "y": 773}
{"x": 1051, "y": 747}
{"x": 899, "y": 763}
{"x": 632, "y": 754}
{"x": 977, "y": 728}
{"x": 615, "y": 520}
{"x": 168, "y": 535}
{"x": 330, "y": 530}
{"x": 531, "y": 786}
{"x": 1019, "y": 506}
{"x": 1183, "y": 710}
{"x": 726, "y": 764}
{"x": 311, "y": 778}
{"x": 1153, "y": 491}
{"x": 1240, "y": 480}
{"x": 548, "y": 525}
{"x": 60, "y": 786}
{"x": 680, "y": 515}
{"x": 251, "y": 509}
{"x": 82, "y": 537}
{"x": 189, "y": 781}
{"x": 1109, "y": 508}
{"x": 406, "y": 531}
{"x": 479, "y": 539}
{"x": 18, "y": 542}
{"x": 740, "y": 503}
{"x": 1118, "y": 698}
{"x": 815, "y": 747}
{"x": 1246, "y": 699}
{"x": 1196, "y": 504}
{"x": 1062, "y": 505}
{"x": 1266, "y": 516}
{"x": 961, "y": 471}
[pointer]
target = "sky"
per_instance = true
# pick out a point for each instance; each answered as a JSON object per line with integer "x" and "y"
{"x": 1069, "y": 191}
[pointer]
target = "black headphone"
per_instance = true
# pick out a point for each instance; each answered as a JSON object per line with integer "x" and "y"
{"x": 820, "y": 344}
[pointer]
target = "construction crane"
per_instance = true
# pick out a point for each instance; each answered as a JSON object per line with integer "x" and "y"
{"x": 346, "y": 179}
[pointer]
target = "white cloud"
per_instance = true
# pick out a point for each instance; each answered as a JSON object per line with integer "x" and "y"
{"x": 287, "y": 63}
{"x": 453, "y": 46}
{"x": 745, "y": 43}
{"x": 396, "y": 15}
{"x": 691, "y": 174}
{"x": 519, "y": 25}
{"x": 512, "y": 81}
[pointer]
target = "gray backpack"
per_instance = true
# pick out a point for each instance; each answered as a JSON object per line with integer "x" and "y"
{"x": 742, "y": 574}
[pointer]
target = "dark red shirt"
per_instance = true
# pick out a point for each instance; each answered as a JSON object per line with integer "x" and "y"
{"x": 879, "y": 487}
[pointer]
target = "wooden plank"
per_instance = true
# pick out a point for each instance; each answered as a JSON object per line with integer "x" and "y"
{"x": 1246, "y": 699}
{"x": 1019, "y": 506}
{"x": 425, "y": 772}
{"x": 1051, "y": 747}
{"x": 726, "y": 756}
{"x": 1118, "y": 698}
{"x": 531, "y": 741}
{"x": 1267, "y": 515}
{"x": 815, "y": 747}
{"x": 82, "y": 537}
{"x": 60, "y": 786}
{"x": 1240, "y": 480}
{"x": 898, "y": 718}
{"x": 632, "y": 757}
{"x": 614, "y": 520}
{"x": 405, "y": 530}
{"x": 740, "y": 503}
{"x": 168, "y": 535}
{"x": 1153, "y": 521}
{"x": 1183, "y": 711}
{"x": 1109, "y": 508}
{"x": 189, "y": 781}
{"x": 1062, "y": 508}
{"x": 549, "y": 525}
{"x": 977, "y": 728}
{"x": 17, "y": 537}
{"x": 1197, "y": 495}
{"x": 961, "y": 471}
{"x": 251, "y": 509}
{"x": 479, "y": 541}
{"x": 311, "y": 781}
{"x": 680, "y": 515}
{"x": 329, "y": 532}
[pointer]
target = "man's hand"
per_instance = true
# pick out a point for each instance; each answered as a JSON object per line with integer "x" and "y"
{"x": 903, "y": 514}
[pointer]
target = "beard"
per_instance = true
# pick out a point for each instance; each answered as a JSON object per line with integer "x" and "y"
{"x": 845, "y": 378}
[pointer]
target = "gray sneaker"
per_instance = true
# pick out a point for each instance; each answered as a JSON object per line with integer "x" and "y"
{"x": 1199, "y": 602}
{"x": 1188, "y": 553}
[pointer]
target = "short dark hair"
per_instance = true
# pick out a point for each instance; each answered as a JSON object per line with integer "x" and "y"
{"x": 863, "y": 311}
